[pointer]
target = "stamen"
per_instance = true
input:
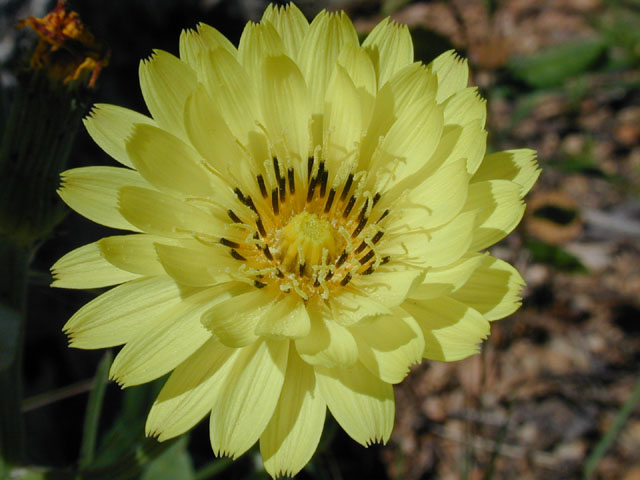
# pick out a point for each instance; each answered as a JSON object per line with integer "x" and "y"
{"x": 385, "y": 260}
{"x": 384, "y": 214}
{"x": 369, "y": 270}
{"x": 276, "y": 169}
{"x": 263, "y": 187}
{"x": 312, "y": 188}
{"x": 346, "y": 279}
{"x": 309, "y": 166}
{"x": 363, "y": 221}
{"x": 347, "y": 187}
{"x": 328, "y": 276}
{"x": 376, "y": 198}
{"x": 292, "y": 184}
{"x": 239, "y": 194}
{"x": 237, "y": 256}
{"x": 323, "y": 182}
{"x": 261, "y": 227}
{"x": 347, "y": 211}
{"x": 367, "y": 257}
{"x": 282, "y": 187}
{"x": 229, "y": 243}
{"x": 274, "y": 201}
{"x": 258, "y": 284}
{"x": 234, "y": 217}
{"x": 301, "y": 268}
{"x": 341, "y": 259}
{"x": 364, "y": 210}
{"x": 376, "y": 238}
{"x": 327, "y": 206}
{"x": 279, "y": 273}
{"x": 360, "y": 248}
{"x": 267, "y": 252}
{"x": 248, "y": 201}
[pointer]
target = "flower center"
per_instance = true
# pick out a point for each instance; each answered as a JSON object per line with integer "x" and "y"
{"x": 306, "y": 232}
{"x": 305, "y": 240}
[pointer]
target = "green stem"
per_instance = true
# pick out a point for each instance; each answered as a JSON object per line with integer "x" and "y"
{"x": 212, "y": 469}
{"x": 94, "y": 408}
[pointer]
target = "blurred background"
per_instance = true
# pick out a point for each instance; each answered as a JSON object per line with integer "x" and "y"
{"x": 553, "y": 394}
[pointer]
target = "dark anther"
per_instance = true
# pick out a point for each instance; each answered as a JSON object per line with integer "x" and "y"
{"x": 267, "y": 252}
{"x": 346, "y": 279}
{"x": 360, "y": 248}
{"x": 233, "y": 216}
{"x": 229, "y": 243}
{"x": 263, "y": 187}
{"x": 323, "y": 183}
{"x": 376, "y": 238}
{"x": 341, "y": 259}
{"x": 364, "y": 209}
{"x": 276, "y": 168}
{"x": 347, "y": 187}
{"x": 347, "y": 211}
{"x": 368, "y": 271}
{"x": 385, "y": 260}
{"x": 261, "y": 227}
{"x": 309, "y": 166}
{"x": 283, "y": 188}
{"x": 329, "y": 276}
{"x": 327, "y": 206}
{"x": 366, "y": 258}
{"x": 301, "y": 268}
{"x": 376, "y": 199}
{"x": 249, "y": 203}
{"x": 274, "y": 201}
{"x": 312, "y": 188}
{"x": 363, "y": 221}
{"x": 317, "y": 282}
{"x": 236, "y": 255}
{"x": 259, "y": 284}
{"x": 384, "y": 214}
{"x": 292, "y": 181}
{"x": 279, "y": 273}
{"x": 239, "y": 194}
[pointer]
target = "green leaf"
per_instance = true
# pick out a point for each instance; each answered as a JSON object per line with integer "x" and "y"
{"x": 553, "y": 65}
{"x": 543, "y": 252}
{"x": 174, "y": 464}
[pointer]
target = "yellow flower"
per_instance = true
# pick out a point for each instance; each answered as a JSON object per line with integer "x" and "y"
{"x": 308, "y": 216}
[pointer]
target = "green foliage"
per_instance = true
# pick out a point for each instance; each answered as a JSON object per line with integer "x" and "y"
{"x": 543, "y": 252}
{"x": 174, "y": 464}
{"x": 554, "y": 65}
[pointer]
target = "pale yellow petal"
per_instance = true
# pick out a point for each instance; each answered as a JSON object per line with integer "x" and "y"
{"x": 291, "y": 25}
{"x": 409, "y": 143}
{"x": 390, "y": 47}
{"x": 465, "y": 106}
{"x": 93, "y": 193}
{"x": 285, "y": 108}
{"x": 258, "y": 41}
{"x": 232, "y": 93}
{"x": 452, "y": 330}
{"x": 194, "y": 44}
{"x": 389, "y": 345}
{"x": 249, "y": 398}
{"x": 166, "y": 82}
{"x": 433, "y": 248}
{"x": 86, "y": 267}
{"x": 191, "y": 391}
{"x": 342, "y": 118}
{"x": 452, "y": 72}
{"x": 167, "y": 162}
{"x": 163, "y": 214}
{"x": 287, "y": 318}
{"x": 493, "y": 289}
{"x": 361, "y": 403}
{"x": 389, "y": 288}
{"x": 234, "y": 320}
{"x": 122, "y": 313}
{"x": 110, "y": 126}
{"x": 519, "y": 166}
{"x": 442, "y": 281}
{"x": 328, "y": 34}
{"x": 328, "y": 343}
{"x": 359, "y": 67}
{"x": 353, "y": 304}
{"x": 134, "y": 253}
{"x": 294, "y": 430}
{"x": 192, "y": 263}
{"x": 501, "y": 210}
{"x": 176, "y": 335}
{"x": 433, "y": 202}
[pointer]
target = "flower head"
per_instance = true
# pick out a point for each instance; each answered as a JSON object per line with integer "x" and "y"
{"x": 308, "y": 214}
